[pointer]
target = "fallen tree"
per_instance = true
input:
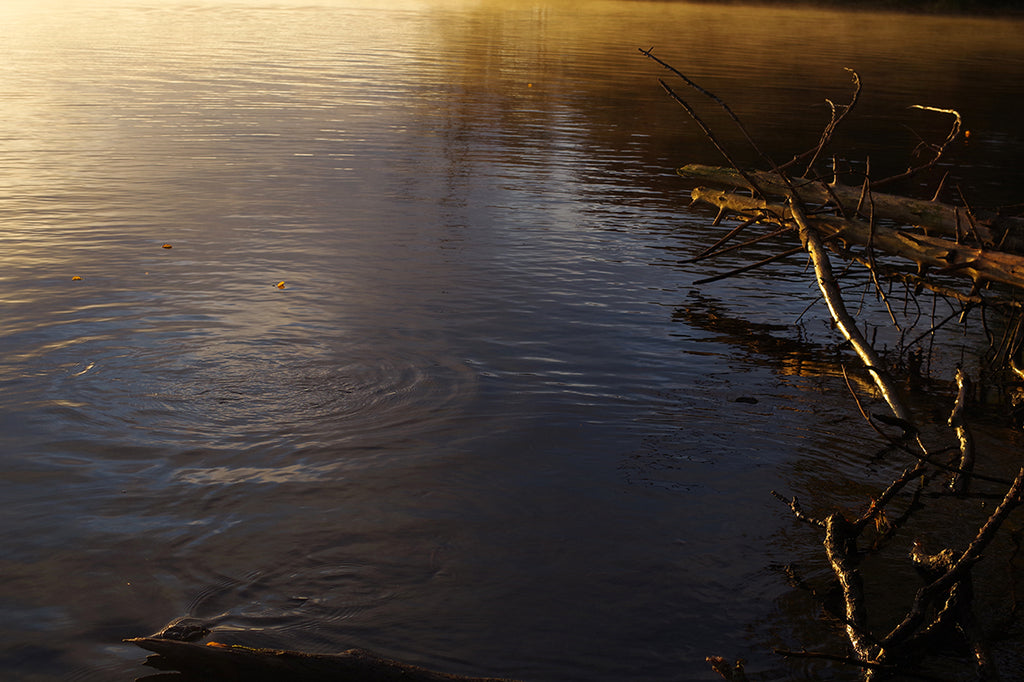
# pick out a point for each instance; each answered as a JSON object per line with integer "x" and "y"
{"x": 955, "y": 255}
{"x": 953, "y": 222}
{"x": 969, "y": 257}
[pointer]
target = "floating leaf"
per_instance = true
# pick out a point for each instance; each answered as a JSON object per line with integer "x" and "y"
{"x": 280, "y": 285}
{"x": 167, "y": 246}
{"x": 75, "y": 278}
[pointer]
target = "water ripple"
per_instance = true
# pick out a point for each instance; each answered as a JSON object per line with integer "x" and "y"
{"x": 231, "y": 398}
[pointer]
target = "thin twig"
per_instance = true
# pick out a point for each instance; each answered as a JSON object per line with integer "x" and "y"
{"x": 752, "y": 266}
{"x": 710, "y": 95}
{"x": 936, "y": 326}
{"x": 798, "y": 512}
{"x": 707, "y": 133}
{"x": 829, "y": 130}
{"x": 732, "y": 233}
{"x": 774, "y": 233}
{"x": 878, "y": 504}
{"x": 938, "y": 149}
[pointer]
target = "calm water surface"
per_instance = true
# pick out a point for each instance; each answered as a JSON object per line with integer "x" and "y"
{"x": 486, "y": 425}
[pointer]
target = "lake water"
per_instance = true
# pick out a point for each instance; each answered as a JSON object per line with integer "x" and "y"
{"x": 487, "y": 425}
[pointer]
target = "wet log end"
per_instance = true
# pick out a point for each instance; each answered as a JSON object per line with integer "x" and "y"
{"x": 215, "y": 662}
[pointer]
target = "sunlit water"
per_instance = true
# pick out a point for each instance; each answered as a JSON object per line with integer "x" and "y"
{"x": 486, "y": 424}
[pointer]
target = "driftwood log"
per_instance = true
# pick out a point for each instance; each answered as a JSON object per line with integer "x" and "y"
{"x": 951, "y": 222}
{"x": 965, "y": 249}
{"x": 214, "y": 662}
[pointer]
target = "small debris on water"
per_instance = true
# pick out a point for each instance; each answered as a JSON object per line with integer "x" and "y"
{"x": 75, "y": 278}
{"x": 167, "y": 246}
{"x": 279, "y": 285}
{"x": 746, "y": 399}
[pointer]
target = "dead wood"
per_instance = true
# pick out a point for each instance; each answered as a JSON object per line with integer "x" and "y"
{"x": 946, "y": 600}
{"x": 752, "y": 266}
{"x": 942, "y": 256}
{"x": 944, "y": 220}
{"x": 232, "y": 663}
{"x": 959, "y": 568}
{"x": 957, "y": 609}
{"x": 731, "y": 672}
{"x": 841, "y": 549}
{"x": 843, "y": 319}
{"x": 961, "y": 479}
{"x": 929, "y": 245}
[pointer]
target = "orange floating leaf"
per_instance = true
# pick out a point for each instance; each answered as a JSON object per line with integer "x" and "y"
{"x": 75, "y": 278}
{"x": 280, "y": 285}
{"x": 168, "y": 246}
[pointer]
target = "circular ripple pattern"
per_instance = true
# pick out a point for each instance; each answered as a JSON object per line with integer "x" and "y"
{"x": 238, "y": 398}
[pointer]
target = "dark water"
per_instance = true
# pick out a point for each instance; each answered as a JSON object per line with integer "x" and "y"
{"x": 487, "y": 426}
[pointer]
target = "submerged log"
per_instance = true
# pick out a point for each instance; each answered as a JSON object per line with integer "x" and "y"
{"x": 216, "y": 662}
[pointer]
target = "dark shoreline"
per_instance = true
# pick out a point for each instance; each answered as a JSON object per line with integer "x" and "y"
{"x": 962, "y": 8}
